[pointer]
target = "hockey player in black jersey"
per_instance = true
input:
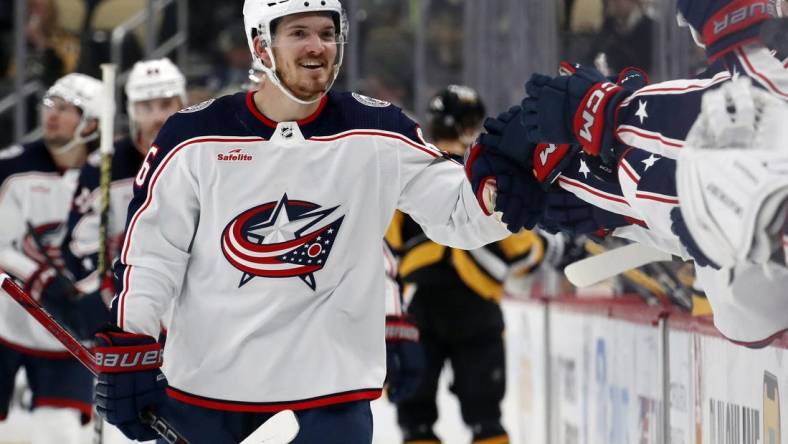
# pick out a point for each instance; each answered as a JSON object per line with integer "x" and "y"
{"x": 455, "y": 297}
{"x": 38, "y": 180}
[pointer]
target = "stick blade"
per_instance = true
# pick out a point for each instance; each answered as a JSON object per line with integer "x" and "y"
{"x": 595, "y": 269}
{"x": 279, "y": 429}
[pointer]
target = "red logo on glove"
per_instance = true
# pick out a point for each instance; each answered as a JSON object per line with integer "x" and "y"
{"x": 589, "y": 122}
{"x": 547, "y": 156}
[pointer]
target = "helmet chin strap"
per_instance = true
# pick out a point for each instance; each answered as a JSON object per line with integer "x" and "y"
{"x": 76, "y": 140}
{"x": 271, "y": 73}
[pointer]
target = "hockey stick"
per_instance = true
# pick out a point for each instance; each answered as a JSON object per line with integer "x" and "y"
{"x": 595, "y": 269}
{"x": 279, "y": 429}
{"x": 106, "y": 149}
{"x": 83, "y": 355}
{"x": 108, "y": 71}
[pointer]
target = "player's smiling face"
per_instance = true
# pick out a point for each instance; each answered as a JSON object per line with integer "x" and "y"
{"x": 305, "y": 49}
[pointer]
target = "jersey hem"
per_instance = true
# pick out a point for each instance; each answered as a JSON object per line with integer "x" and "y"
{"x": 267, "y": 407}
{"x": 34, "y": 352}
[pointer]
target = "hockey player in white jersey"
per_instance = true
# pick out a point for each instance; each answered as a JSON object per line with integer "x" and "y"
{"x": 259, "y": 216}
{"x": 38, "y": 181}
{"x": 644, "y": 187}
{"x": 155, "y": 90}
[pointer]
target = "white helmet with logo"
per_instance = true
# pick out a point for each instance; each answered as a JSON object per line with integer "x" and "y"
{"x": 260, "y": 14}
{"x": 84, "y": 92}
{"x": 155, "y": 79}
{"x": 152, "y": 79}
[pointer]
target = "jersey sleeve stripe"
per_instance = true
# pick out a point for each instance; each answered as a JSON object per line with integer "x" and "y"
{"x": 623, "y": 130}
{"x": 676, "y": 87}
{"x": 630, "y": 171}
{"x": 657, "y": 197}
{"x": 595, "y": 192}
{"x": 768, "y": 82}
{"x": 424, "y": 148}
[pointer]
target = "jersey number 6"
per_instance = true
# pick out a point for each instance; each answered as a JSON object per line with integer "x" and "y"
{"x": 142, "y": 174}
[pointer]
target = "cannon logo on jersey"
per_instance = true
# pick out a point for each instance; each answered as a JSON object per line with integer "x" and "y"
{"x": 50, "y": 236}
{"x": 281, "y": 239}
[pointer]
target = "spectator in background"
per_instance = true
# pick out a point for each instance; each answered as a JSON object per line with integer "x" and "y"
{"x": 53, "y": 51}
{"x": 625, "y": 38}
{"x": 232, "y": 60}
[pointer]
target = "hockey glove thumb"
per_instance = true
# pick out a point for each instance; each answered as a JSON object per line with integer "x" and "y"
{"x": 129, "y": 381}
{"x": 405, "y": 361}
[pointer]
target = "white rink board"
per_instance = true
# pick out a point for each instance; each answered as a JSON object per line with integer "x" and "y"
{"x": 606, "y": 382}
{"x": 570, "y": 335}
{"x": 736, "y": 406}
{"x": 683, "y": 375}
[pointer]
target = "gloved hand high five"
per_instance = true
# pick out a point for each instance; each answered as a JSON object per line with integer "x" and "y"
{"x": 129, "y": 381}
{"x": 723, "y": 25}
{"x": 506, "y": 135}
{"x": 501, "y": 185}
{"x": 577, "y": 108}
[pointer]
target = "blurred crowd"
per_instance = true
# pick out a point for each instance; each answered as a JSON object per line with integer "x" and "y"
{"x": 64, "y": 36}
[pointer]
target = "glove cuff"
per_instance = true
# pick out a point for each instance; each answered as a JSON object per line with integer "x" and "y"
{"x": 123, "y": 352}
{"x": 735, "y": 25}
{"x": 401, "y": 328}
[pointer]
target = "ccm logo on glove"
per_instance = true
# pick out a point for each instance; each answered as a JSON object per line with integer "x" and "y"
{"x": 584, "y": 121}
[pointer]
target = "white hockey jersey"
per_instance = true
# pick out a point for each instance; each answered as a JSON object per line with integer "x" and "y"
{"x": 267, "y": 239}
{"x": 34, "y": 197}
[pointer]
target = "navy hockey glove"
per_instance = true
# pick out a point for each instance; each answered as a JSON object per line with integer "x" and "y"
{"x": 405, "y": 361}
{"x": 680, "y": 229}
{"x": 577, "y": 108}
{"x": 569, "y": 214}
{"x": 129, "y": 381}
{"x": 506, "y": 136}
{"x": 724, "y": 25}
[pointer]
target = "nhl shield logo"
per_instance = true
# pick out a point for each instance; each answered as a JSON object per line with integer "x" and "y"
{"x": 281, "y": 239}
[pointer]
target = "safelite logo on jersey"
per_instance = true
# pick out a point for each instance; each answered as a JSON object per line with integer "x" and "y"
{"x": 235, "y": 155}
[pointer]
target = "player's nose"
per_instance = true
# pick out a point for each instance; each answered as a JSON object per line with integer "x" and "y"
{"x": 314, "y": 45}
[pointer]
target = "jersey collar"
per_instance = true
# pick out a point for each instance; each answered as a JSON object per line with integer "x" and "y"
{"x": 272, "y": 124}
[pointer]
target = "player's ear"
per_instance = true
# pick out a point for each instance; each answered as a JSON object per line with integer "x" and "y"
{"x": 91, "y": 126}
{"x": 259, "y": 50}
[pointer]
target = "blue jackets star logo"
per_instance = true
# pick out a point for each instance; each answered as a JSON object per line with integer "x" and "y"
{"x": 281, "y": 240}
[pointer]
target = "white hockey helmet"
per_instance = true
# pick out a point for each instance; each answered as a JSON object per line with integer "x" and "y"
{"x": 260, "y": 14}
{"x": 85, "y": 93}
{"x": 154, "y": 79}
{"x": 80, "y": 90}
